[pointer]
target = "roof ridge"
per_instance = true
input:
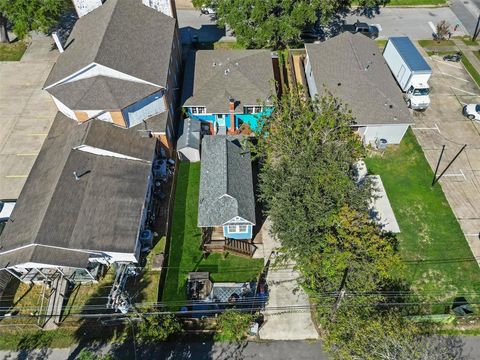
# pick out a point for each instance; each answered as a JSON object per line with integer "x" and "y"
{"x": 111, "y": 16}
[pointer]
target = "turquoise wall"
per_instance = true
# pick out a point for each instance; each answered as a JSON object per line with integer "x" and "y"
{"x": 253, "y": 120}
{"x": 239, "y": 236}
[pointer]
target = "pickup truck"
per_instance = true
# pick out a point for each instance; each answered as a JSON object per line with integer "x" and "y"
{"x": 363, "y": 28}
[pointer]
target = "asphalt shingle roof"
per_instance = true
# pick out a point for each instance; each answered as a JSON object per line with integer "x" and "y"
{"x": 351, "y": 67}
{"x": 101, "y": 211}
{"x": 101, "y": 93}
{"x": 212, "y": 77}
{"x": 124, "y": 35}
{"x": 190, "y": 136}
{"x": 226, "y": 183}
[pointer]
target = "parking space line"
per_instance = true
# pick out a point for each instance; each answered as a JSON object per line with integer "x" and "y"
{"x": 465, "y": 91}
{"x": 27, "y": 154}
{"x": 456, "y": 175}
{"x": 446, "y": 63}
{"x": 433, "y": 27}
{"x": 428, "y": 128}
{"x": 455, "y": 77}
{"x": 15, "y": 176}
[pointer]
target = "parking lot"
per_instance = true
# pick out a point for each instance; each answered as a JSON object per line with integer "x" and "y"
{"x": 444, "y": 124}
{"x": 26, "y": 114}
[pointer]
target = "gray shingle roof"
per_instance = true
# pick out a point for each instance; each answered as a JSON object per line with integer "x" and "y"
{"x": 190, "y": 136}
{"x": 249, "y": 79}
{"x": 366, "y": 84}
{"x": 102, "y": 210}
{"x": 101, "y": 93}
{"x": 226, "y": 183}
{"x": 44, "y": 255}
{"x": 124, "y": 35}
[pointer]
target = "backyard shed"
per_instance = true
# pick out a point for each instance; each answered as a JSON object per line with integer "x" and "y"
{"x": 188, "y": 144}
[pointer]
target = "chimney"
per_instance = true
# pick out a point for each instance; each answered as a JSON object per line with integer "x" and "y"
{"x": 231, "y": 108}
{"x": 56, "y": 38}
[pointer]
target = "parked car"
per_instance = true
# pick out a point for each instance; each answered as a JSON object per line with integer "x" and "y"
{"x": 205, "y": 10}
{"x": 360, "y": 27}
{"x": 453, "y": 57}
{"x": 472, "y": 111}
{"x": 6, "y": 208}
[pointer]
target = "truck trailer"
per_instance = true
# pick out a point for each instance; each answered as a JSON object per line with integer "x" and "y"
{"x": 410, "y": 70}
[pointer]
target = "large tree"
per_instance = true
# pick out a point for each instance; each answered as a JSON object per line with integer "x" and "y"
{"x": 276, "y": 23}
{"x": 28, "y": 15}
{"x": 387, "y": 335}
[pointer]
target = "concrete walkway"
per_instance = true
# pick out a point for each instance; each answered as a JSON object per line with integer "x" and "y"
{"x": 281, "y": 322}
{"x": 468, "y": 53}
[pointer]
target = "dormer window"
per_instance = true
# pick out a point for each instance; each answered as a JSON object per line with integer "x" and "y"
{"x": 198, "y": 109}
{"x": 252, "y": 109}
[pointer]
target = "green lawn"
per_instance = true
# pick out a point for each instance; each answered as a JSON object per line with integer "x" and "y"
{"x": 439, "y": 263}
{"x": 435, "y": 43}
{"x": 185, "y": 254}
{"x": 471, "y": 70}
{"x": 13, "y": 51}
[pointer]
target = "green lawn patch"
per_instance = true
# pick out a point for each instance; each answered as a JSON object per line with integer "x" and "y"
{"x": 439, "y": 263}
{"x": 467, "y": 40}
{"x": 435, "y": 43}
{"x": 471, "y": 70}
{"x": 13, "y": 51}
{"x": 227, "y": 45}
{"x": 185, "y": 254}
{"x": 381, "y": 43}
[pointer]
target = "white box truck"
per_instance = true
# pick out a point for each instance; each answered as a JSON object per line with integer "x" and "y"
{"x": 410, "y": 70}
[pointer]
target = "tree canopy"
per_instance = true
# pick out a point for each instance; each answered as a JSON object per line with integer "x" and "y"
{"x": 28, "y": 15}
{"x": 276, "y": 23}
{"x": 320, "y": 213}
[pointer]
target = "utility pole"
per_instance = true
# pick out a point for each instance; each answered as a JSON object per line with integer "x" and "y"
{"x": 475, "y": 33}
{"x": 435, "y": 179}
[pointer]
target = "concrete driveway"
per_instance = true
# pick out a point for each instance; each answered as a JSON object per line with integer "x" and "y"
{"x": 444, "y": 124}
{"x": 287, "y": 313}
{"x": 193, "y": 23}
{"x": 26, "y": 113}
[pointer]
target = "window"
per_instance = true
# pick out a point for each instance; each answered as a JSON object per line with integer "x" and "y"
{"x": 198, "y": 109}
{"x": 237, "y": 229}
{"x": 252, "y": 109}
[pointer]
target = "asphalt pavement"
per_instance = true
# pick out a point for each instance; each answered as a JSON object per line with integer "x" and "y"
{"x": 416, "y": 23}
{"x": 273, "y": 350}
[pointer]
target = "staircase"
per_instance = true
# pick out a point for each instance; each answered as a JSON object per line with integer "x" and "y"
{"x": 240, "y": 247}
{"x": 55, "y": 303}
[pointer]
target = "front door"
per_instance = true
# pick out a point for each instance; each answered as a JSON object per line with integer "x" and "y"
{"x": 221, "y": 120}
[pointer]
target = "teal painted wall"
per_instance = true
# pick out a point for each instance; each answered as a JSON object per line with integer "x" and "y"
{"x": 253, "y": 120}
{"x": 239, "y": 236}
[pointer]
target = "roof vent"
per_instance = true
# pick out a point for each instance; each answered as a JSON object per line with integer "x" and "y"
{"x": 339, "y": 84}
{"x": 226, "y": 71}
{"x": 236, "y": 64}
{"x": 390, "y": 106}
{"x": 77, "y": 178}
{"x": 214, "y": 63}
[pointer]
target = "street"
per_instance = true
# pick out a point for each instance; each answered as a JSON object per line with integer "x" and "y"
{"x": 413, "y": 22}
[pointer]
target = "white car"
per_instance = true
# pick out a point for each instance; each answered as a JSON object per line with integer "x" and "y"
{"x": 207, "y": 10}
{"x": 6, "y": 209}
{"x": 472, "y": 111}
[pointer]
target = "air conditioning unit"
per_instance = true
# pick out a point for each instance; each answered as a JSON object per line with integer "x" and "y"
{"x": 381, "y": 144}
{"x": 146, "y": 239}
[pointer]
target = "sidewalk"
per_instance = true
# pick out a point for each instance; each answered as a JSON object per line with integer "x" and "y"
{"x": 468, "y": 53}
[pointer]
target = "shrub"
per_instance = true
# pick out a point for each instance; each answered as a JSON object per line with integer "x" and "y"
{"x": 233, "y": 325}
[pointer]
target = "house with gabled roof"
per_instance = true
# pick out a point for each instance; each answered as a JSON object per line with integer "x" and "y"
{"x": 226, "y": 204}
{"x": 121, "y": 64}
{"x": 86, "y": 202}
{"x": 229, "y": 89}
{"x": 352, "y": 68}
